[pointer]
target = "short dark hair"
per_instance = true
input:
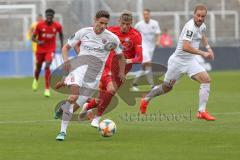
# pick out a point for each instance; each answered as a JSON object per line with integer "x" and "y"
{"x": 49, "y": 11}
{"x": 102, "y": 13}
{"x": 200, "y": 7}
{"x": 126, "y": 16}
{"x": 147, "y": 10}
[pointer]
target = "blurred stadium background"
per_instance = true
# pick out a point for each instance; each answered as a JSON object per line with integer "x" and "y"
{"x": 17, "y": 15}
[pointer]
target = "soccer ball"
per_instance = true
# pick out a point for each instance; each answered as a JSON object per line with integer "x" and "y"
{"x": 107, "y": 128}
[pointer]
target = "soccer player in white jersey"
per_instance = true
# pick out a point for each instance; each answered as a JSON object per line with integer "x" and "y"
{"x": 183, "y": 61}
{"x": 95, "y": 43}
{"x": 150, "y": 32}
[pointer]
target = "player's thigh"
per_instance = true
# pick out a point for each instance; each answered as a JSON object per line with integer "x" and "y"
{"x": 197, "y": 72}
{"x": 202, "y": 77}
{"x": 40, "y": 58}
{"x": 147, "y": 55}
{"x": 49, "y": 57}
{"x": 113, "y": 84}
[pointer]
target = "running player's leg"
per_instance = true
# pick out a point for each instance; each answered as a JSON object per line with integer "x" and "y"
{"x": 149, "y": 74}
{"x": 174, "y": 72}
{"x": 48, "y": 61}
{"x": 105, "y": 97}
{"x": 140, "y": 73}
{"x": 68, "y": 111}
{"x": 39, "y": 62}
{"x": 198, "y": 73}
{"x": 146, "y": 69}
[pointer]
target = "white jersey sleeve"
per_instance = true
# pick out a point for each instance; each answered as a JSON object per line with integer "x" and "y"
{"x": 158, "y": 30}
{"x": 118, "y": 49}
{"x": 74, "y": 39}
{"x": 188, "y": 32}
{"x": 137, "y": 26}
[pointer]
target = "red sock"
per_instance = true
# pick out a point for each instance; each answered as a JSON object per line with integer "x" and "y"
{"x": 91, "y": 104}
{"x": 47, "y": 77}
{"x": 105, "y": 99}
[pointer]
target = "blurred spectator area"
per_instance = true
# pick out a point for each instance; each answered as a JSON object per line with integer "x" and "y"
{"x": 222, "y": 21}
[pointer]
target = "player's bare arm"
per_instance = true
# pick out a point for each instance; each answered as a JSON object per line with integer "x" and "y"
{"x": 34, "y": 39}
{"x": 208, "y": 47}
{"x": 122, "y": 64}
{"x": 188, "y": 48}
{"x": 158, "y": 37}
{"x": 61, "y": 39}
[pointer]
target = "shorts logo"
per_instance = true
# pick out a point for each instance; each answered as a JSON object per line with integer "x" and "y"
{"x": 189, "y": 34}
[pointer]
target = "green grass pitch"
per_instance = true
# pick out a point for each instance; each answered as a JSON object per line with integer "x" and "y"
{"x": 28, "y": 130}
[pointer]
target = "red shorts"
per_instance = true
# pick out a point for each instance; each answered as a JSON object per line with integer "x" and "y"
{"x": 44, "y": 57}
{"x": 106, "y": 79}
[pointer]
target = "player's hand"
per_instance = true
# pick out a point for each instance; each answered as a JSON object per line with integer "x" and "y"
{"x": 211, "y": 53}
{"x": 158, "y": 45}
{"x": 128, "y": 61}
{"x": 208, "y": 55}
{"x": 67, "y": 67}
{"x": 40, "y": 42}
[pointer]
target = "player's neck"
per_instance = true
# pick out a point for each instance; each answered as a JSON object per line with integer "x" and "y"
{"x": 147, "y": 21}
{"x": 49, "y": 23}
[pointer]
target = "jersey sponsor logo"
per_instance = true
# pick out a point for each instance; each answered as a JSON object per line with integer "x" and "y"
{"x": 127, "y": 44}
{"x": 94, "y": 49}
{"x": 109, "y": 46}
{"x": 189, "y": 34}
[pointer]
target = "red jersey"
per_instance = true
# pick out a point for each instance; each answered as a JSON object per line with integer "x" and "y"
{"x": 132, "y": 49}
{"x": 47, "y": 34}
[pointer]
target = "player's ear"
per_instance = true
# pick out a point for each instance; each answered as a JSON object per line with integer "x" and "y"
{"x": 119, "y": 20}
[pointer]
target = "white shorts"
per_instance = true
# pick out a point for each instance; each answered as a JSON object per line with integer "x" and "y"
{"x": 147, "y": 54}
{"x": 76, "y": 77}
{"x": 178, "y": 67}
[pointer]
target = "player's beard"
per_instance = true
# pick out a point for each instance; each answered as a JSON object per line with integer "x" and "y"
{"x": 99, "y": 30}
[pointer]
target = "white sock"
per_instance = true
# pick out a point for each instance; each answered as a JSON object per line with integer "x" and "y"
{"x": 203, "y": 96}
{"x": 97, "y": 118}
{"x": 149, "y": 75}
{"x": 138, "y": 75}
{"x": 156, "y": 91}
{"x": 66, "y": 117}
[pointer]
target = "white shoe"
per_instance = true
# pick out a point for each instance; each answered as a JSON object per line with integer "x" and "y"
{"x": 95, "y": 122}
{"x": 134, "y": 88}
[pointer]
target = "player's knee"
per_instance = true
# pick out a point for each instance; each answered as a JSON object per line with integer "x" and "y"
{"x": 206, "y": 79}
{"x": 47, "y": 65}
{"x": 72, "y": 99}
{"x": 75, "y": 107}
{"x": 111, "y": 89}
{"x": 38, "y": 66}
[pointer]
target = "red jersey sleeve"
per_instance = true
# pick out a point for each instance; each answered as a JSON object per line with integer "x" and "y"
{"x": 138, "y": 49}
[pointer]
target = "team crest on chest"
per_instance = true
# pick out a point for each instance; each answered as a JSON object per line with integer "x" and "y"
{"x": 104, "y": 41}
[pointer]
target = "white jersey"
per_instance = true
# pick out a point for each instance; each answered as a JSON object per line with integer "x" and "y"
{"x": 95, "y": 46}
{"x": 148, "y": 32}
{"x": 193, "y": 34}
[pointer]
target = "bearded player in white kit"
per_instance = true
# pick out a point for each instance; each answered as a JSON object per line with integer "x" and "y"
{"x": 150, "y": 32}
{"x": 95, "y": 45}
{"x": 183, "y": 62}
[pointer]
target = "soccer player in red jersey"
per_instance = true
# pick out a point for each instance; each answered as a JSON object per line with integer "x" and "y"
{"x": 110, "y": 82}
{"x": 45, "y": 37}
